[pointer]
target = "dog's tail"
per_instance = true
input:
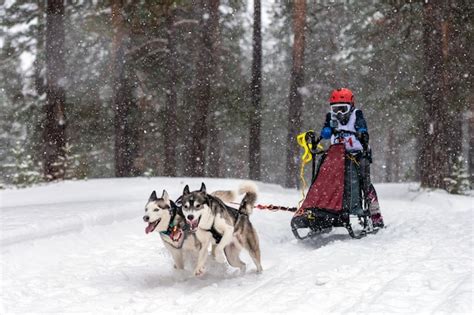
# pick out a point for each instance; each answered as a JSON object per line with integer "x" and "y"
{"x": 248, "y": 202}
{"x": 225, "y": 195}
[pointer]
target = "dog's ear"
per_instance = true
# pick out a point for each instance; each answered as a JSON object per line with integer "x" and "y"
{"x": 186, "y": 190}
{"x": 165, "y": 196}
{"x": 153, "y": 196}
{"x": 203, "y": 188}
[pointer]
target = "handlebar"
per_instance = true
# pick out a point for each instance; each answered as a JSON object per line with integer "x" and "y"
{"x": 311, "y": 138}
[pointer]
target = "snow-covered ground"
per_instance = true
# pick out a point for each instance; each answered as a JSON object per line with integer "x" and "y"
{"x": 81, "y": 247}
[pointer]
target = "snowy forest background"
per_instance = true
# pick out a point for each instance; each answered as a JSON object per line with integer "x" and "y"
{"x": 220, "y": 88}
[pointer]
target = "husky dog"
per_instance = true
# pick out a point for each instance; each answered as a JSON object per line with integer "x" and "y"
{"x": 162, "y": 215}
{"x": 211, "y": 219}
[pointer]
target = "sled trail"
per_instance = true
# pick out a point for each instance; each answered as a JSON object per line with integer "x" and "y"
{"x": 86, "y": 251}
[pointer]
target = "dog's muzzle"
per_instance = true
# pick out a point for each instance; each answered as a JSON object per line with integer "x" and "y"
{"x": 151, "y": 225}
{"x": 193, "y": 223}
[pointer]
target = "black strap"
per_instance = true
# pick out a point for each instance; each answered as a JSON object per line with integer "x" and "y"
{"x": 173, "y": 212}
{"x": 216, "y": 235}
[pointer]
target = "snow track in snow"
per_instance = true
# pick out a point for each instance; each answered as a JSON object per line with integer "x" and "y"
{"x": 81, "y": 247}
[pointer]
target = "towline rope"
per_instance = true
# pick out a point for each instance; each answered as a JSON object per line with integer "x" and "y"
{"x": 276, "y": 208}
{"x": 271, "y": 207}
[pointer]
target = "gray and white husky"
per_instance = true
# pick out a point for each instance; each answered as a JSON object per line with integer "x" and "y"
{"x": 212, "y": 220}
{"x": 163, "y": 216}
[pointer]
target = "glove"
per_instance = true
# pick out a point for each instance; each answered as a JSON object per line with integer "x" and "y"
{"x": 364, "y": 139}
{"x": 326, "y": 133}
{"x": 368, "y": 155}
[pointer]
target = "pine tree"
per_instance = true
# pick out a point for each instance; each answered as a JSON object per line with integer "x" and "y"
{"x": 123, "y": 100}
{"x": 256, "y": 94}
{"x": 433, "y": 139}
{"x": 54, "y": 128}
{"x": 71, "y": 163}
{"x": 170, "y": 132}
{"x": 214, "y": 147}
{"x": 295, "y": 106}
{"x": 458, "y": 182}
{"x": 25, "y": 171}
{"x": 205, "y": 69}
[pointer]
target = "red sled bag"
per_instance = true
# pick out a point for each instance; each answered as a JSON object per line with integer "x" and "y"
{"x": 327, "y": 191}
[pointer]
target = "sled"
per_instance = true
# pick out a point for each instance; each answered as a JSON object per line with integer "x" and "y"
{"x": 335, "y": 197}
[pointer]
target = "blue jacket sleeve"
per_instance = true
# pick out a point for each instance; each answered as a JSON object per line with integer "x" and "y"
{"x": 326, "y": 132}
{"x": 328, "y": 120}
{"x": 360, "y": 123}
{"x": 361, "y": 128}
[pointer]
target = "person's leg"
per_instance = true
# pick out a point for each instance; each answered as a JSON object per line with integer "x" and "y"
{"x": 370, "y": 193}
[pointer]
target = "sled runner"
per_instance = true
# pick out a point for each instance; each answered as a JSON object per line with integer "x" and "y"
{"x": 335, "y": 197}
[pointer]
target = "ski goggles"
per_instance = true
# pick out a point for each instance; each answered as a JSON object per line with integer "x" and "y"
{"x": 340, "y": 108}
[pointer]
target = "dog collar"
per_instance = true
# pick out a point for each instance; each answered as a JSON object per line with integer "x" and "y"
{"x": 173, "y": 231}
{"x": 170, "y": 228}
{"x": 171, "y": 225}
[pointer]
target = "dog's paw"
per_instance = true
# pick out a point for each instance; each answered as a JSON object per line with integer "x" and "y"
{"x": 199, "y": 271}
{"x": 220, "y": 258}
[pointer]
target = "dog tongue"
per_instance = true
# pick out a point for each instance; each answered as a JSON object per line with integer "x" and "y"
{"x": 150, "y": 228}
{"x": 194, "y": 224}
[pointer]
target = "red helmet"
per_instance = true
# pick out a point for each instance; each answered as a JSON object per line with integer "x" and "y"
{"x": 341, "y": 95}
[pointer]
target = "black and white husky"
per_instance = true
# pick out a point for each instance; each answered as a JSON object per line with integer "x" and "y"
{"x": 212, "y": 220}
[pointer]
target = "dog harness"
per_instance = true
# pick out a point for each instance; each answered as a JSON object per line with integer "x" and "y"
{"x": 216, "y": 235}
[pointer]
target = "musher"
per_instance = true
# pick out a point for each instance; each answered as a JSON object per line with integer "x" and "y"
{"x": 349, "y": 122}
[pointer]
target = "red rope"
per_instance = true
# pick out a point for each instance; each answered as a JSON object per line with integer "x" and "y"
{"x": 275, "y": 208}
{"x": 271, "y": 207}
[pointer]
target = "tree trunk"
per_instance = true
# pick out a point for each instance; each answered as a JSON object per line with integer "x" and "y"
{"x": 55, "y": 125}
{"x": 295, "y": 98}
{"x": 398, "y": 162}
{"x": 389, "y": 157}
{"x": 256, "y": 94}
{"x": 123, "y": 101}
{"x": 433, "y": 152}
{"x": 470, "y": 132}
{"x": 199, "y": 129}
{"x": 170, "y": 128}
{"x": 38, "y": 64}
{"x": 451, "y": 82}
{"x": 214, "y": 150}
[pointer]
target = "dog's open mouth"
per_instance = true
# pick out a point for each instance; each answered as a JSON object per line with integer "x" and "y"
{"x": 152, "y": 226}
{"x": 193, "y": 225}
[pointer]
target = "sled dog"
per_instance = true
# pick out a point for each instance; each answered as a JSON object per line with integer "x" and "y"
{"x": 211, "y": 219}
{"x": 162, "y": 215}
{"x": 165, "y": 217}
